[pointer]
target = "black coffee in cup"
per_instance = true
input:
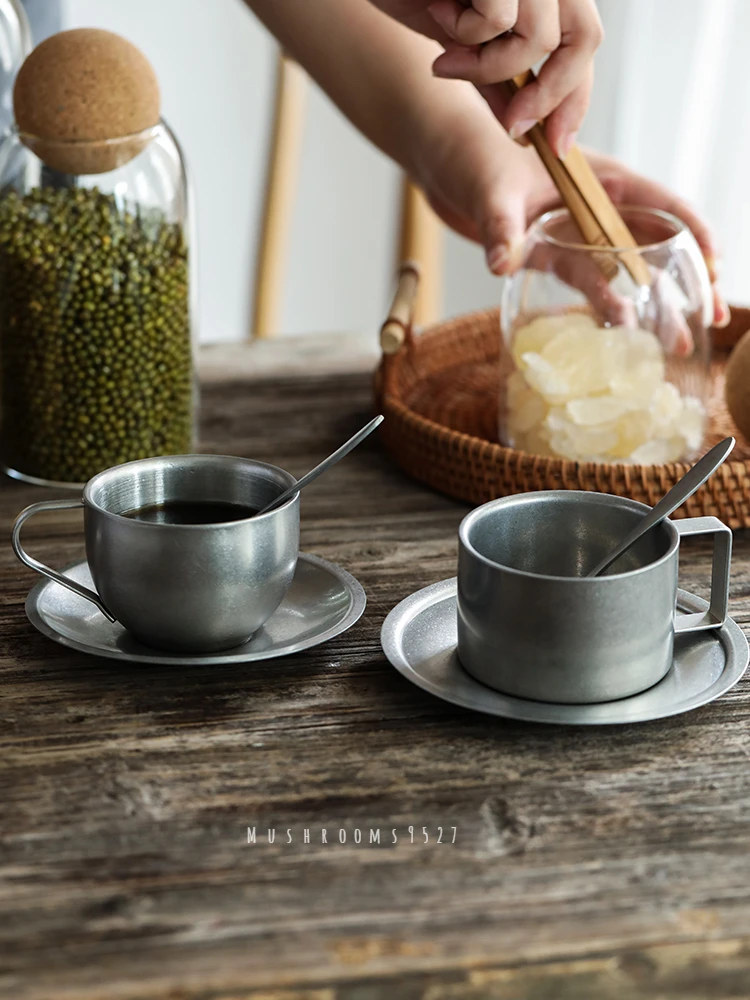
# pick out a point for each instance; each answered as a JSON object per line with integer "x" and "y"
{"x": 191, "y": 512}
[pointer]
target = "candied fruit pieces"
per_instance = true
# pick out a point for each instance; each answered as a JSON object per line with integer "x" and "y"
{"x": 534, "y": 337}
{"x": 597, "y": 394}
{"x": 593, "y": 410}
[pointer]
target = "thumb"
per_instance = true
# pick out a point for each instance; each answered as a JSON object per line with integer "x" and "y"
{"x": 501, "y": 221}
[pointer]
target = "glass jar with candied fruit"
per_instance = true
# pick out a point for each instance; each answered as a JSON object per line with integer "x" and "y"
{"x": 603, "y": 368}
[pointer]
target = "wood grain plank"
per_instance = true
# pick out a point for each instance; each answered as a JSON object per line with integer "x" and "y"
{"x": 596, "y": 863}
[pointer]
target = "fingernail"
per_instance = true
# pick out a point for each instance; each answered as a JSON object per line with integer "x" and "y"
{"x": 725, "y": 314}
{"x": 521, "y": 128}
{"x": 714, "y": 266}
{"x": 566, "y": 144}
{"x": 497, "y": 259}
{"x": 504, "y": 259}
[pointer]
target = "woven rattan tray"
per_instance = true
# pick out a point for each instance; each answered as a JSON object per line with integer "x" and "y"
{"x": 439, "y": 394}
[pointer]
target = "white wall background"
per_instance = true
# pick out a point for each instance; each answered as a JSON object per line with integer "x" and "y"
{"x": 670, "y": 99}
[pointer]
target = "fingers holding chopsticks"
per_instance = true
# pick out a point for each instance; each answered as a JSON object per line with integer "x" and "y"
{"x": 562, "y": 89}
{"x": 477, "y": 23}
{"x": 535, "y": 34}
{"x": 568, "y": 32}
{"x": 488, "y": 42}
{"x": 561, "y": 127}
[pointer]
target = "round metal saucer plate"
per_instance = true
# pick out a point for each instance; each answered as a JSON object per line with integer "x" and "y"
{"x": 419, "y": 639}
{"x": 322, "y": 602}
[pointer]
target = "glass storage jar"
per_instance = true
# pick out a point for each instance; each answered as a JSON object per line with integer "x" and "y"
{"x": 604, "y": 368}
{"x": 96, "y": 310}
{"x": 15, "y": 45}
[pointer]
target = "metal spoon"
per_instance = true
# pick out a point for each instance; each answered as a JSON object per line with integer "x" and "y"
{"x": 684, "y": 488}
{"x": 337, "y": 455}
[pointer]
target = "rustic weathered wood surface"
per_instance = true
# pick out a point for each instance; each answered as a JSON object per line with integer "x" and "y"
{"x": 587, "y": 863}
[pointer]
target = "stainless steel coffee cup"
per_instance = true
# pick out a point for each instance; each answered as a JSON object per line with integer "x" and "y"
{"x": 530, "y": 623}
{"x": 187, "y": 587}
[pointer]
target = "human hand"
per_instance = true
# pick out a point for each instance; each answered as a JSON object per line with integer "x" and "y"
{"x": 625, "y": 187}
{"x": 490, "y": 41}
{"x": 489, "y": 189}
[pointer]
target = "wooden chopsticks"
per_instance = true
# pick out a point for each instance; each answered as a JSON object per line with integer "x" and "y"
{"x": 589, "y": 204}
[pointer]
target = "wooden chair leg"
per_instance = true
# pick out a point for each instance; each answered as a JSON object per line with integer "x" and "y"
{"x": 281, "y": 186}
{"x": 421, "y": 240}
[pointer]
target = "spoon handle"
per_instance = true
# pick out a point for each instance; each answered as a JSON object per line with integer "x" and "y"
{"x": 684, "y": 488}
{"x": 332, "y": 459}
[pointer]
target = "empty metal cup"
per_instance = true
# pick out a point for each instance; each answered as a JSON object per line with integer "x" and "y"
{"x": 531, "y": 624}
{"x": 187, "y": 587}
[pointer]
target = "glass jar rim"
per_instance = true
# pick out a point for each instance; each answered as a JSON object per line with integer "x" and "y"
{"x": 538, "y": 229}
{"x": 147, "y": 133}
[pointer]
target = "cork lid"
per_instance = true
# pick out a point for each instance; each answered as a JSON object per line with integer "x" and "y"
{"x": 83, "y": 100}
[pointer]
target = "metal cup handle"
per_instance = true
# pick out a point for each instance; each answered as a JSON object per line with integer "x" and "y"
{"x": 27, "y": 560}
{"x": 718, "y": 606}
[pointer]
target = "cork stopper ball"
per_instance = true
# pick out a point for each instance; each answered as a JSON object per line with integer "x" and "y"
{"x": 83, "y": 100}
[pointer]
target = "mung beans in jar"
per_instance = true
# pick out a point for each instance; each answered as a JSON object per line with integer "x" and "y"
{"x": 96, "y": 297}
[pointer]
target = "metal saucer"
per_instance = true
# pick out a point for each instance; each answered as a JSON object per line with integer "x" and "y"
{"x": 322, "y": 602}
{"x": 419, "y": 639}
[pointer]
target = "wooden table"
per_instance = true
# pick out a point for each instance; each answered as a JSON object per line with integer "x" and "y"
{"x": 587, "y": 863}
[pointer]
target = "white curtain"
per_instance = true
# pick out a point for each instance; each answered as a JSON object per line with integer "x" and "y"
{"x": 672, "y": 99}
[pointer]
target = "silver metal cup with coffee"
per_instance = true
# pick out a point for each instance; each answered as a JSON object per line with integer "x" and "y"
{"x": 176, "y": 553}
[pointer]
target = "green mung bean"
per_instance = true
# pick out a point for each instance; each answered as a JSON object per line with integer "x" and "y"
{"x": 95, "y": 350}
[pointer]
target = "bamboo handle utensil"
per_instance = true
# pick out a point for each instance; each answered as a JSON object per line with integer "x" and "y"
{"x": 422, "y": 240}
{"x": 394, "y": 330}
{"x": 588, "y": 202}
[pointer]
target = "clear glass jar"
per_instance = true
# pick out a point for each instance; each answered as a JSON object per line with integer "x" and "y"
{"x": 605, "y": 368}
{"x": 15, "y": 45}
{"x": 96, "y": 305}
